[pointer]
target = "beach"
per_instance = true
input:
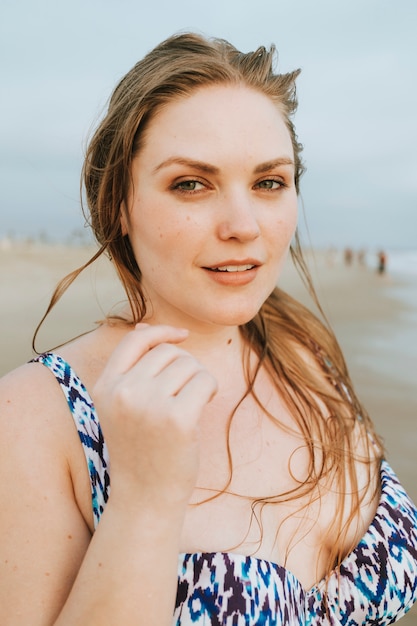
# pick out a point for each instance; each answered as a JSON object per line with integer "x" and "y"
{"x": 374, "y": 317}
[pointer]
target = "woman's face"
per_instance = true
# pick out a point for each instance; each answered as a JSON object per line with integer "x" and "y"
{"x": 213, "y": 207}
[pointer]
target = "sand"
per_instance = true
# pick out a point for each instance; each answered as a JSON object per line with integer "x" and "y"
{"x": 374, "y": 323}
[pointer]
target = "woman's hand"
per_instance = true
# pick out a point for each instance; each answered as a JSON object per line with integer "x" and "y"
{"x": 149, "y": 399}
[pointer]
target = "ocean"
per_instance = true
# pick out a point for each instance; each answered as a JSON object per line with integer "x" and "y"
{"x": 399, "y": 342}
{"x": 402, "y": 262}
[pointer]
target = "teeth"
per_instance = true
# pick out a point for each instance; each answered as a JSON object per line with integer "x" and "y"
{"x": 234, "y": 268}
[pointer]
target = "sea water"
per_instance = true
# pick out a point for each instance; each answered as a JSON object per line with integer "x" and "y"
{"x": 402, "y": 262}
{"x": 402, "y": 266}
{"x": 398, "y": 343}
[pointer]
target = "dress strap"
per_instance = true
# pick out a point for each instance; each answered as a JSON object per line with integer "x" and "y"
{"x": 88, "y": 428}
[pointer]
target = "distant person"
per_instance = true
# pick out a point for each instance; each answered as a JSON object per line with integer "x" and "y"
{"x": 222, "y": 470}
{"x": 382, "y": 262}
{"x": 348, "y": 256}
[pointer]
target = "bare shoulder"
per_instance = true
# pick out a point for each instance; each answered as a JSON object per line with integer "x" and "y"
{"x": 35, "y": 419}
{"x": 38, "y": 442}
{"x": 89, "y": 354}
{"x": 29, "y": 397}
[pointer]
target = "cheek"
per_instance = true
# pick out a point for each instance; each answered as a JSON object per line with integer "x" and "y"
{"x": 159, "y": 224}
{"x": 293, "y": 218}
{"x": 158, "y": 245}
{"x": 286, "y": 227}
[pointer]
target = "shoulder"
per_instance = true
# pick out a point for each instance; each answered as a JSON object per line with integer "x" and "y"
{"x": 31, "y": 394}
{"x": 35, "y": 421}
{"x": 89, "y": 354}
{"x": 40, "y": 449}
{"x": 29, "y": 397}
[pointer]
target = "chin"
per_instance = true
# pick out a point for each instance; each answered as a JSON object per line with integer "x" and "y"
{"x": 238, "y": 318}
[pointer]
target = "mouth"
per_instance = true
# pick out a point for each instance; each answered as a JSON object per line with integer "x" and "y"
{"x": 234, "y": 272}
{"x": 232, "y": 268}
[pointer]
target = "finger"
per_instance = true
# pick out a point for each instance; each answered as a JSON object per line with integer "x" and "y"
{"x": 177, "y": 374}
{"x": 197, "y": 392}
{"x": 138, "y": 342}
{"x": 156, "y": 360}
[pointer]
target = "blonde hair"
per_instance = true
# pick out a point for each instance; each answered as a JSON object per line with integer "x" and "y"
{"x": 284, "y": 331}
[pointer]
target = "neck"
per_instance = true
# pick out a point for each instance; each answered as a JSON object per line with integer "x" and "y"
{"x": 216, "y": 347}
{"x": 205, "y": 339}
{"x": 214, "y": 343}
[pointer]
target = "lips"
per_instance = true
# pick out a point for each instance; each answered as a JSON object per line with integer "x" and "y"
{"x": 232, "y": 268}
{"x": 233, "y": 272}
{"x": 234, "y": 265}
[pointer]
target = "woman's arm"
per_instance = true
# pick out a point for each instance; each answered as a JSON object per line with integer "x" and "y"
{"x": 149, "y": 399}
{"x": 43, "y": 535}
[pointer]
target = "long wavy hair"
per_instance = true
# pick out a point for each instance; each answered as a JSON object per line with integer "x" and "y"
{"x": 284, "y": 331}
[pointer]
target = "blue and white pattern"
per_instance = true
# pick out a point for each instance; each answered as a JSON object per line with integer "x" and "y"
{"x": 376, "y": 585}
{"x": 88, "y": 427}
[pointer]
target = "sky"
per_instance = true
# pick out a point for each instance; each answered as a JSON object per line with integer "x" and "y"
{"x": 357, "y": 116}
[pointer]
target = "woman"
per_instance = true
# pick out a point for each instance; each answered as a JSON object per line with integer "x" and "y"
{"x": 247, "y": 483}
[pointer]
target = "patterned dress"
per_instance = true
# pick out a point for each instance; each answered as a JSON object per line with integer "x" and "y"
{"x": 377, "y": 583}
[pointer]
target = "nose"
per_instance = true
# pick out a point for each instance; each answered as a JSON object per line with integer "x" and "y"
{"x": 238, "y": 219}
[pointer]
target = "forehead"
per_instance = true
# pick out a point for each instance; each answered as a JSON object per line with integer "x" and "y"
{"x": 219, "y": 120}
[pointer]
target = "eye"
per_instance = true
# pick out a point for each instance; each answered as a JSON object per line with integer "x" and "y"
{"x": 188, "y": 186}
{"x": 270, "y": 184}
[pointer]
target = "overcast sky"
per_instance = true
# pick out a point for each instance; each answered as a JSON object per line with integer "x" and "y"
{"x": 357, "y": 116}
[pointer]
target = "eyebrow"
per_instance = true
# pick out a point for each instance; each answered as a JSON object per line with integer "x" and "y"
{"x": 270, "y": 165}
{"x": 196, "y": 165}
{"x": 212, "y": 169}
